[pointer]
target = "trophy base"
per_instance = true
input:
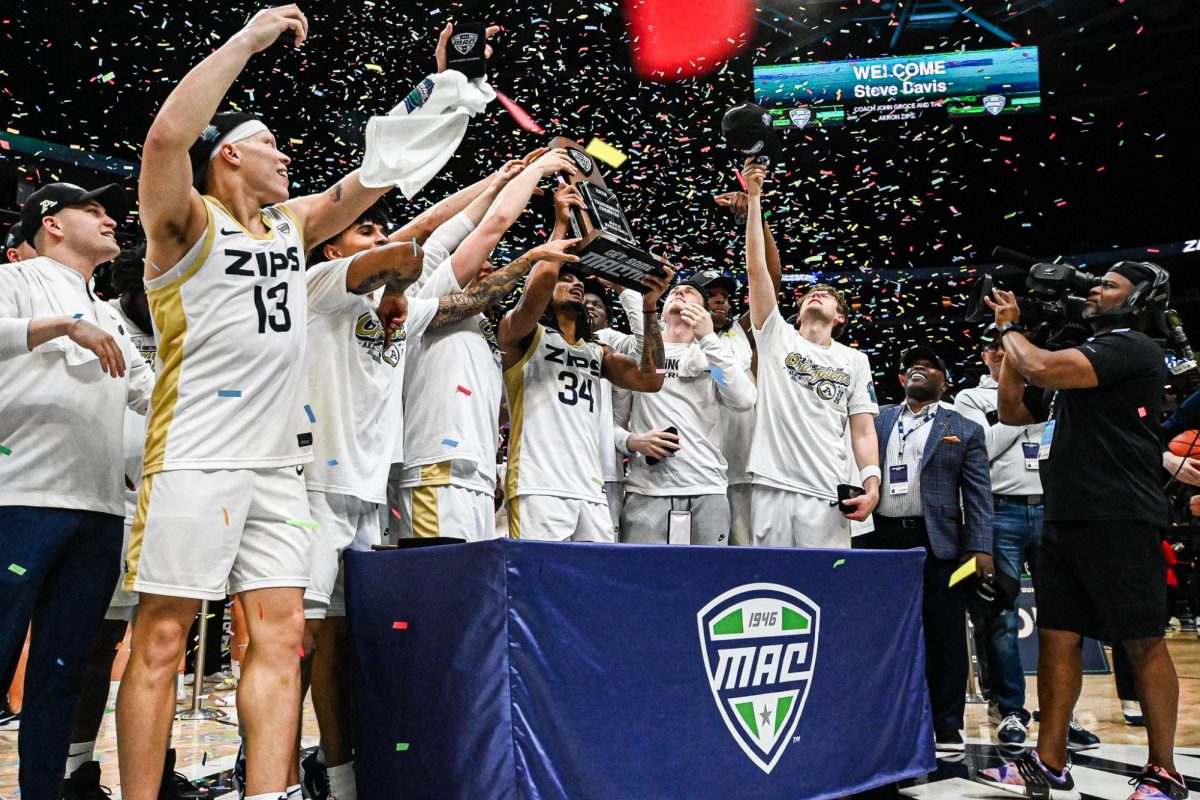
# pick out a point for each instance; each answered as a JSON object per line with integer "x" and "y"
{"x": 606, "y": 257}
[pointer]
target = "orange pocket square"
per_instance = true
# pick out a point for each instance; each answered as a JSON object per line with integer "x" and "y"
{"x": 953, "y": 439}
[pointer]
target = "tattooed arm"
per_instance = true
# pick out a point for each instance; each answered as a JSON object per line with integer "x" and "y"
{"x": 325, "y": 215}
{"x": 394, "y": 265}
{"x": 642, "y": 376}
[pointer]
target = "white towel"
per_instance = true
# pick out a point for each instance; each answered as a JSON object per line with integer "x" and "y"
{"x": 414, "y": 141}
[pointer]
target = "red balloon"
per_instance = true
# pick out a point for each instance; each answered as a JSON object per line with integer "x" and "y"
{"x": 675, "y": 39}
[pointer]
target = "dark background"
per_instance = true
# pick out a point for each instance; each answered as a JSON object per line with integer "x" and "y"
{"x": 902, "y": 215}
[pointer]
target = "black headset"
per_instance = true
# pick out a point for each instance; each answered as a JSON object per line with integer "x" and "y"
{"x": 1148, "y": 295}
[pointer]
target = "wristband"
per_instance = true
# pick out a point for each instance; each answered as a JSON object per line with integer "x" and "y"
{"x": 1012, "y": 326}
{"x": 870, "y": 471}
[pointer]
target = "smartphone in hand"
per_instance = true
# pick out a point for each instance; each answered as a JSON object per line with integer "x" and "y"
{"x": 651, "y": 460}
{"x": 467, "y": 50}
{"x": 846, "y": 492}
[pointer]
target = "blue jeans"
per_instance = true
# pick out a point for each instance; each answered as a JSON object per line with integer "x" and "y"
{"x": 58, "y": 568}
{"x": 1016, "y": 534}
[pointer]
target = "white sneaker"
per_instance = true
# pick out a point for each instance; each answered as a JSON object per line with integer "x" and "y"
{"x": 1132, "y": 710}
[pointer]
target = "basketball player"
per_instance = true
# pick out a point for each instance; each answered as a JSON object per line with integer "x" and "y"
{"x": 810, "y": 389}
{"x": 682, "y": 496}
{"x": 356, "y": 376}
{"x": 222, "y": 499}
{"x": 552, "y": 369}
{"x": 737, "y": 425}
{"x": 448, "y": 480}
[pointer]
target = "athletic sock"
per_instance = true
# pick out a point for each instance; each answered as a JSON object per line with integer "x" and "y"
{"x": 341, "y": 782}
{"x": 321, "y": 754}
{"x": 79, "y": 754}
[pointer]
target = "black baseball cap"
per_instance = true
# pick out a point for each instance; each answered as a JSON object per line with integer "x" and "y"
{"x": 747, "y": 129}
{"x": 14, "y": 237}
{"x": 711, "y": 279}
{"x": 921, "y": 352}
{"x": 694, "y": 282}
{"x": 200, "y": 153}
{"x": 54, "y": 197}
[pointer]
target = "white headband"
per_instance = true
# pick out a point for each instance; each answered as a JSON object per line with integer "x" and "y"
{"x": 242, "y": 131}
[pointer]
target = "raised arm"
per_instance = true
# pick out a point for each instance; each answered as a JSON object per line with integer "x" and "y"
{"x": 508, "y": 205}
{"x": 1049, "y": 369}
{"x": 394, "y": 265}
{"x": 489, "y": 291}
{"x": 762, "y": 290}
{"x": 1010, "y": 396}
{"x": 171, "y": 210}
{"x": 642, "y": 375}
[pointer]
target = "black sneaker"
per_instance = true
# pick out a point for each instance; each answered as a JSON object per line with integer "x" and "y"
{"x": 174, "y": 785}
{"x": 9, "y": 721}
{"x": 1080, "y": 738}
{"x": 1155, "y": 783}
{"x": 84, "y": 784}
{"x": 314, "y": 778}
{"x": 1029, "y": 777}
{"x": 948, "y": 740}
{"x": 1013, "y": 729}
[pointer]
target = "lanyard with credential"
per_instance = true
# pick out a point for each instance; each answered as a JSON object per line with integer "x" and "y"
{"x": 904, "y": 436}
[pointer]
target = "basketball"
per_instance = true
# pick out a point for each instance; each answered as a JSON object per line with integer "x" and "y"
{"x": 1186, "y": 444}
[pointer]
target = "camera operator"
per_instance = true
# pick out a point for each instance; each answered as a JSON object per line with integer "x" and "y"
{"x": 1100, "y": 567}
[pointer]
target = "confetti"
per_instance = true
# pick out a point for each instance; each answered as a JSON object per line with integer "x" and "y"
{"x": 304, "y": 523}
{"x": 400, "y": 626}
{"x": 464, "y": 390}
{"x": 450, "y": 442}
{"x": 519, "y": 115}
{"x": 311, "y": 416}
{"x": 231, "y": 393}
{"x": 401, "y": 747}
{"x": 839, "y": 562}
{"x": 4, "y": 451}
{"x": 605, "y": 152}
{"x": 16, "y": 569}
{"x": 225, "y": 511}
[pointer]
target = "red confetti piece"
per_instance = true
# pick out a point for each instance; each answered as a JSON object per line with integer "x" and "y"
{"x": 400, "y": 626}
{"x": 1142, "y": 411}
{"x": 396, "y": 514}
{"x": 741, "y": 180}
{"x": 520, "y": 115}
{"x": 465, "y": 390}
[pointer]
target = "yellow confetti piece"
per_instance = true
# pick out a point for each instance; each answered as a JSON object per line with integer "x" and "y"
{"x": 374, "y": 67}
{"x": 603, "y": 151}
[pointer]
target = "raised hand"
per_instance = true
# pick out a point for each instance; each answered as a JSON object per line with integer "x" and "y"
{"x": 754, "y": 176}
{"x": 566, "y": 198}
{"x": 555, "y": 250}
{"x": 655, "y": 288}
{"x": 85, "y": 334}
{"x": 265, "y": 27}
{"x": 444, "y": 39}
{"x": 736, "y": 202}
{"x": 698, "y": 318}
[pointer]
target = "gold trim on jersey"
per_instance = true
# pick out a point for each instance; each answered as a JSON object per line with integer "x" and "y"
{"x": 137, "y": 531}
{"x": 426, "y": 523}
{"x": 514, "y": 517}
{"x": 514, "y": 385}
{"x": 262, "y": 213}
{"x": 170, "y": 318}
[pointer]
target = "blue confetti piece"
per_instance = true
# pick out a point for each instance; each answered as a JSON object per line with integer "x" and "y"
{"x": 718, "y": 376}
{"x": 332, "y": 462}
{"x": 77, "y": 316}
{"x": 449, "y": 442}
{"x": 60, "y": 662}
{"x": 229, "y": 393}
{"x": 311, "y": 416}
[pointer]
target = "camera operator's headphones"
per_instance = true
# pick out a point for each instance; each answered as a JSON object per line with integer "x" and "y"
{"x": 1151, "y": 287}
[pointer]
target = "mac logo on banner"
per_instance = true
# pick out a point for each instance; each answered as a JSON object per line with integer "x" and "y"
{"x": 760, "y": 647}
{"x": 800, "y": 116}
{"x": 463, "y": 42}
{"x": 994, "y": 103}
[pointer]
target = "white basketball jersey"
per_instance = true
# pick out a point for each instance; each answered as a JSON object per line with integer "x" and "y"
{"x": 230, "y": 322}
{"x": 452, "y": 407}
{"x": 354, "y": 383}
{"x": 134, "y": 433}
{"x": 554, "y": 406}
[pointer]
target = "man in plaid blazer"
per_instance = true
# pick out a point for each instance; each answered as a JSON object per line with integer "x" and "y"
{"x": 936, "y": 495}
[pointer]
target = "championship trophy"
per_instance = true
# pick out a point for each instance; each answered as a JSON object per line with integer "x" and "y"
{"x": 608, "y": 248}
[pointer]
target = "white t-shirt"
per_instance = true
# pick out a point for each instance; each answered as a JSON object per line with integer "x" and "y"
{"x": 737, "y": 424}
{"x": 354, "y": 384}
{"x": 806, "y": 394}
{"x": 553, "y": 403}
{"x": 691, "y": 400}
{"x": 610, "y": 457}
{"x": 61, "y": 417}
{"x": 134, "y": 437}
